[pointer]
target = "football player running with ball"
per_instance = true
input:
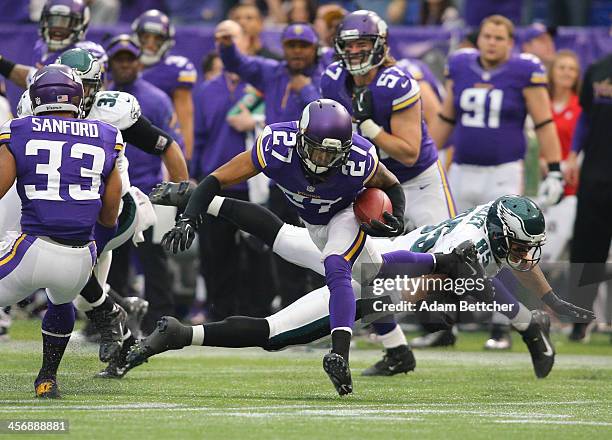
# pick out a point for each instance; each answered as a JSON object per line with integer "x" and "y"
{"x": 321, "y": 166}
{"x": 508, "y": 232}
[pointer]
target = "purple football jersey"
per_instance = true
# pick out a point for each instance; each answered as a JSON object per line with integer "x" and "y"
{"x": 420, "y": 71}
{"x": 271, "y": 77}
{"x": 276, "y": 156}
{"x": 490, "y": 107}
{"x": 62, "y": 165}
{"x": 170, "y": 73}
{"x": 392, "y": 90}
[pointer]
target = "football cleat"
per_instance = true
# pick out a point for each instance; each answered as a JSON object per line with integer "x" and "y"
{"x": 172, "y": 194}
{"x": 537, "y": 338}
{"x": 396, "y": 360}
{"x": 47, "y": 388}
{"x": 169, "y": 334}
{"x": 116, "y": 369}
{"x": 440, "y": 338}
{"x": 110, "y": 324}
{"x": 136, "y": 309}
{"x": 337, "y": 368}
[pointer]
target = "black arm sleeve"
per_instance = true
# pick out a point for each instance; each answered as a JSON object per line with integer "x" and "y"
{"x": 398, "y": 200}
{"x": 147, "y": 137}
{"x": 202, "y": 196}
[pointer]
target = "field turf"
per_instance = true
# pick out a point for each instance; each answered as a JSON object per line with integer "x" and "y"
{"x": 250, "y": 394}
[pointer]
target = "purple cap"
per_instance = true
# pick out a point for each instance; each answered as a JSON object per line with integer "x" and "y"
{"x": 122, "y": 42}
{"x": 534, "y": 31}
{"x": 301, "y": 32}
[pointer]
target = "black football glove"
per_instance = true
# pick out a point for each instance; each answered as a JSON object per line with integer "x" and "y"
{"x": 363, "y": 107}
{"x": 393, "y": 227}
{"x": 172, "y": 194}
{"x": 567, "y": 310}
{"x": 182, "y": 234}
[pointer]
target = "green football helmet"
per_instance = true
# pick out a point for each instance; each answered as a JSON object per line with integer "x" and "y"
{"x": 89, "y": 69}
{"x": 517, "y": 231}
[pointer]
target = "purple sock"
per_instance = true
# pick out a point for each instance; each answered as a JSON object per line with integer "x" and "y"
{"x": 504, "y": 296}
{"x": 411, "y": 264}
{"x": 382, "y": 328}
{"x": 57, "y": 325}
{"x": 341, "y": 300}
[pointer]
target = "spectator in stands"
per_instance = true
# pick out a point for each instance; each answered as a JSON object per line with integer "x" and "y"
{"x": 301, "y": 11}
{"x": 249, "y": 17}
{"x": 326, "y": 23}
{"x": 212, "y": 66}
{"x": 145, "y": 172}
{"x": 438, "y": 12}
{"x": 564, "y": 87}
{"x": 538, "y": 40}
{"x": 592, "y": 229}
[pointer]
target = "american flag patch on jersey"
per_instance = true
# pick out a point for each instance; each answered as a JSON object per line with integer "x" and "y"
{"x": 62, "y": 98}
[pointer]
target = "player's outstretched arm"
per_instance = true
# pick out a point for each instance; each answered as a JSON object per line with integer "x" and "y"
{"x": 17, "y": 73}
{"x": 183, "y": 103}
{"x": 8, "y": 170}
{"x": 536, "y": 282}
{"x": 175, "y": 163}
{"x": 386, "y": 180}
{"x": 237, "y": 170}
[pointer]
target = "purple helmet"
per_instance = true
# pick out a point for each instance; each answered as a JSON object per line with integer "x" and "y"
{"x": 362, "y": 25}
{"x": 157, "y": 23}
{"x": 56, "y": 88}
{"x": 325, "y": 136}
{"x": 63, "y": 22}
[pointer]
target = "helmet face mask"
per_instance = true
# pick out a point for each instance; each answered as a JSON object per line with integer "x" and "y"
{"x": 517, "y": 232}
{"x": 89, "y": 69}
{"x": 324, "y": 137}
{"x": 63, "y": 22}
{"x": 153, "y": 28}
{"x": 367, "y": 32}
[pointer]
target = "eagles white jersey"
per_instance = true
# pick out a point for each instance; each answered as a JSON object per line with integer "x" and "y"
{"x": 447, "y": 235}
{"x": 119, "y": 109}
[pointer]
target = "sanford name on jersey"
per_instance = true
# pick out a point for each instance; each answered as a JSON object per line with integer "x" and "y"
{"x": 276, "y": 156}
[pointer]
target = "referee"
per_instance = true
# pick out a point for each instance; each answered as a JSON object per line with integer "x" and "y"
{"x": 593, "y": 226}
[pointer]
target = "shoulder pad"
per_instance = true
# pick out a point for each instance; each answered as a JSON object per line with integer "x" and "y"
{"x": 186, "y": 71}
{"x": 530, "y": 69}
{"x": 399, "y": 89}
{"x": 5, "y": 132}
{"x": 119, "y": 109}
{"x": 24, "y": 108}
{"x": 275, "y": 145}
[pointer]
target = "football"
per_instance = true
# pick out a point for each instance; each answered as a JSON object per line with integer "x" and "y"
{"x": 371, "y": 204}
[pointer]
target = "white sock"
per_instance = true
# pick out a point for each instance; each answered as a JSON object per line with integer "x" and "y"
{"x": 394, "y": 338}
{"x": 215, "y": 206}
{"x": 522, "y": 319}
{"x": 198, "y": 335}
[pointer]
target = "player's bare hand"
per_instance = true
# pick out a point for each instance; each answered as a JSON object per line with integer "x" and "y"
{"x": 242, "y": 121}
{"x": 181, "y": 236}
{"x": 298, "y": 82}
{"x": 571, "y": 169}
{"x": 224, "y": 34}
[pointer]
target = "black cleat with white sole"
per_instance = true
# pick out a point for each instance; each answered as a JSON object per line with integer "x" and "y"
{"x": 337, "y": 368}
{"x": 395, "y": 361}
{"x": 537, "y": 338}
{"x": 169, "y": 334}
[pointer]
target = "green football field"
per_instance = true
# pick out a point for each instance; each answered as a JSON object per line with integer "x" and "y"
{"x": 247, "y": 394}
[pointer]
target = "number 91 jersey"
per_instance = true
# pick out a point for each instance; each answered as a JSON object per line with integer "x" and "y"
{"x": 490, "y": 107}
{"x": 62, "y": 165}
{"x": 275, "y": 155}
